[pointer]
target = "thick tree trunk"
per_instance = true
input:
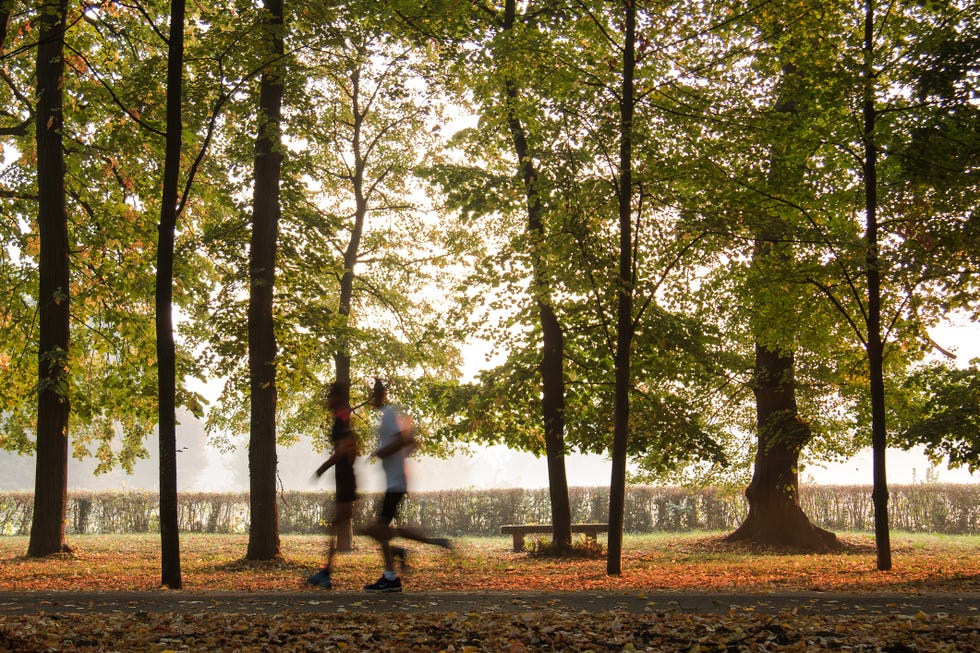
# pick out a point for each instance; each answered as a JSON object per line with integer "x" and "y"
{"x": 775, "y": 517}
{"x": 553, "y": 347}
{"x": 5, "y": 9}
{"x": 53, "y": 408}
{"x": 553, "y": 412}
{"x": 263, "y": 541}
{"x": 624, "y": 313}
{"x": 166, "y": 349}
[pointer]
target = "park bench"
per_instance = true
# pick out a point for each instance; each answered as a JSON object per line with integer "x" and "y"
{"x": 518, "y": 531}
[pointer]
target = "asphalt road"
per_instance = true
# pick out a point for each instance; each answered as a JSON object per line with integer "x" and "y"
{"x": 51, "y": 602}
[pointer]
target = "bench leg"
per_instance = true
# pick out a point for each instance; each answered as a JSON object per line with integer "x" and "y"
{"x": 518, "y": 542}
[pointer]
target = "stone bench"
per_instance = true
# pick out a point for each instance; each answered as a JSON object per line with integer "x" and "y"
{"x": 518, "y": 531}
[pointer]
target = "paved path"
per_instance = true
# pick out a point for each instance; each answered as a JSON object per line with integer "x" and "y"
{"x": 52, "y": 602}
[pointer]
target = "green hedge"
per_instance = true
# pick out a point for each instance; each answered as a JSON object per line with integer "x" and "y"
{"x": 935, "y": 508}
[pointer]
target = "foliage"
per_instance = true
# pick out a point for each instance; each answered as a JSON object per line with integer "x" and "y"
{"x": 113, "y": 130}
{"x": 707, "y": 127}
{"x": 563, "y": 92}
{"x": 361, "y": 112}
{"x": 920, "y": 508}
{"x": 946, "y": 414}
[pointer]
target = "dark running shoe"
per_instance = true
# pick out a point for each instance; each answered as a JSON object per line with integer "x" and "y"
{"x": 321, "y": 579}
{"x": 385, "y": 585}
{"x": 400, "y": 555}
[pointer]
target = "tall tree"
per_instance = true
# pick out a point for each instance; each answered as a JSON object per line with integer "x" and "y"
{"x": 569, "y": 104}
{"x": 166, "y": 348}
{"x": 358, "y": 236}
{"x": 113, "y": 98}
{"x": 625, "y": 327}
{"x": 872, "y": 271}
{"x": 508, "y": 83}
{"x": 551, "y": 365}
{"x": 263, "y": 541}
{"x": 51, "y": 481}
{"x": 775, "y": 516}
{"x": 885, "y": 290}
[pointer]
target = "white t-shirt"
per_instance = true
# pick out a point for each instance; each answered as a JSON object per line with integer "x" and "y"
{"x": 394, "y": 465}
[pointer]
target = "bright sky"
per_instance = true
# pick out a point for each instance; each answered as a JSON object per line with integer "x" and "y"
{"x": 500, "y": 467}
{"x": 496, "y": 467}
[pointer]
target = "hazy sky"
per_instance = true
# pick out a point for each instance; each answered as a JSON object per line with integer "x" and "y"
{"x": 491, "y": 467}
{"x": 203, "y": 468}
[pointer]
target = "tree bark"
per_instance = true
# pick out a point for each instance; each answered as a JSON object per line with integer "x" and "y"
{"x": 342, "y": 357}
{"x": 624, "y": 313}
{"x": 166, "y": 349}
{"x": 53, "y": 408}
{"x": 775, "y": 517}
{"x": 5, "y": 9}
{"x": 875, "y": 347}
{"x": 552, "y": 338}
{"x": 263, "y": 542}
{"x": 342, "y": 360}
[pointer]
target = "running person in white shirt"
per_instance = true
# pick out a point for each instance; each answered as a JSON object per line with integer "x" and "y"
{"x": 396, "y": 440}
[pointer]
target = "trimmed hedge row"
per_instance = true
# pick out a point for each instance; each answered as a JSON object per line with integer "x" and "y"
{"x": 936, "y": 508}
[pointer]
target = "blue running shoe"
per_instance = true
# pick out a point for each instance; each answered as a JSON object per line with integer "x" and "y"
{"x": 321, "y": 579}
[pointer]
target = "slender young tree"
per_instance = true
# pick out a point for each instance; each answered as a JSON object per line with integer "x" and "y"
{"x": 551, "y": 365}
{"x": 508, "y": 81}
{"x": 263, "y": 541}
{"x": 625, "y": 327}
{"x": 51, "y": 480}
{"x": 624, "y": 312}
{"x": 874, "y": 344}
{"x": 166, "y": 348}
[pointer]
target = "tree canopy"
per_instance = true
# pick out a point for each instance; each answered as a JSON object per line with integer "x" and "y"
{"x": 402, "y": 235}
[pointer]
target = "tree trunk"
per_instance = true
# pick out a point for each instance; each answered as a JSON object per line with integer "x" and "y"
{"x": 263, "y": 542}
{"x": 624, "y": 311}
{"x": 553, "y": 413}
{"x": 553, "y": 347}
{"x": 342, "y": 360}
{"x": 166, "y": 349}
{"x": 5, "y": 9}
{"x": 53, "y": 407}
{"x": 775, "y": 517}
{"x": 875, "y": 346}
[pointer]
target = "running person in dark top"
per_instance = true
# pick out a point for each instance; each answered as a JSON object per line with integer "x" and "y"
{"x": 342, "y": 460}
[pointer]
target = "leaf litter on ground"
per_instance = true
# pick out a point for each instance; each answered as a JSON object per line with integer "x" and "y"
{"x": 699, "y": 563}
{"x": 545, "y": 630}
